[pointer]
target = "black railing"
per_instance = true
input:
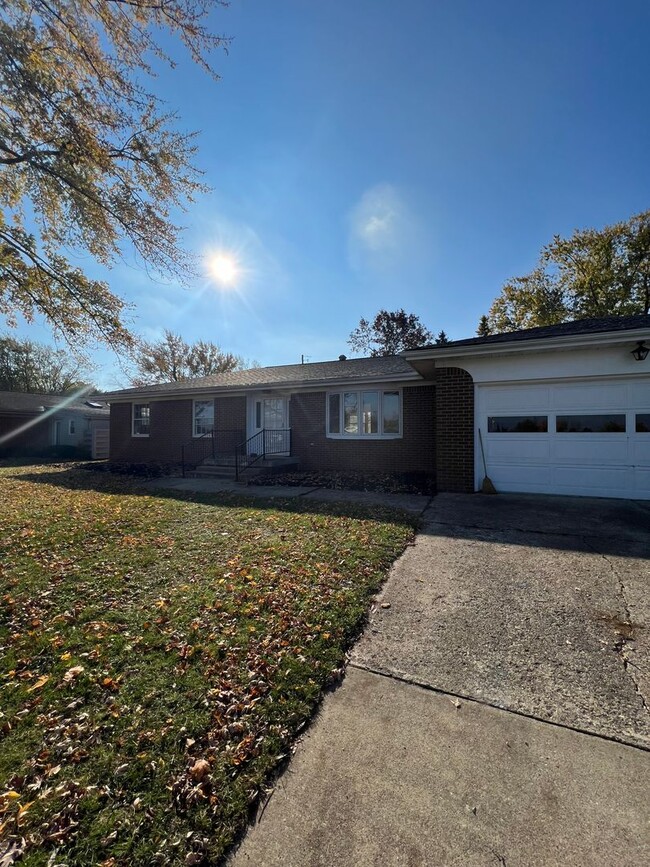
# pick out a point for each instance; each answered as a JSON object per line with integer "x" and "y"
{"x": 220, "y": 445}
{"x": 261, "y": 445}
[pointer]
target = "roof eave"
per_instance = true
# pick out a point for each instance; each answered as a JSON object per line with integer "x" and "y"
{"x": 572, "y": 341}
{"x": 314, "y": 384}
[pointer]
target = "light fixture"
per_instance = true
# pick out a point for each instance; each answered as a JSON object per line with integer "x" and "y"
{"x": 640, "y": 352}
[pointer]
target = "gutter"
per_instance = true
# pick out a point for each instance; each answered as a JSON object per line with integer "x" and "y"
{"x": 540, "y": 344}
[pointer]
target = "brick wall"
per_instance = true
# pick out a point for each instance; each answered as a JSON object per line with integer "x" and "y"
{"x": 230, "y": 413}
{"x": 438, "y": 433}
{"x": 171, "y": 427}
{"x": 413, "y": 452}
{"x": 454, "y": 430}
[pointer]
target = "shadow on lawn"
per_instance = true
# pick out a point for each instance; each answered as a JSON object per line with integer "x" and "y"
{"x": 76, "y": 478}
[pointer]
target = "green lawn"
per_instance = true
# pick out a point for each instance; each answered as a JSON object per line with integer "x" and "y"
{"x": 158, "y": 655}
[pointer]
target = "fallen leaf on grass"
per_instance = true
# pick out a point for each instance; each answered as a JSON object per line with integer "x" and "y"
{"x": 39, "y": 683}
{"x": 199, "y": 770}
{"x": 71, "y": 673}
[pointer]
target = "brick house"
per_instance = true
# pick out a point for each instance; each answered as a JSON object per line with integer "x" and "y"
{"x": 560, "y": 409}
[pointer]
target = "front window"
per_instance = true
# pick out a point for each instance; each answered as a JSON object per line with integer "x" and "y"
{"x": 203, "y": 417}
{"x": 359, "y": 414}
{"x": 71, "y": 427}
{"x": 351, "y": 412}
{"x": 141, "y": 419}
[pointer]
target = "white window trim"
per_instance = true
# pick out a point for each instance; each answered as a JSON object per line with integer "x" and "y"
{"x": 133, "y": 406}
{"x": 72, "y": 427}
{"x": 364, "y": 436}
{"x": 196, "y": 400}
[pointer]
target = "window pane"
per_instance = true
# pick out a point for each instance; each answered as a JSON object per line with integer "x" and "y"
{"x": 141, "y": 419}
{"x": 370, "y": 403}
{"x": 258, "y": 414}
{"x": 517, "y": 424}
{"x": 390, "y": 405}
{"x": 591, "y": 423}
{"x": 335, "y": 413}
{"x": 203, "y": 417}
{"x": 273, "y": 413}
{"x": 643, "y": 422}
{"x": 351, "y": 412}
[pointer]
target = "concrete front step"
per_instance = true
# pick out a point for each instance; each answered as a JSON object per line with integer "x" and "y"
{"x": 219, "y": 468}
{"x": 214, "y": 472}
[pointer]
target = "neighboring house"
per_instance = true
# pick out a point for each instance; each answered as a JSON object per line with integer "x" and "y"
{"x": 561, "y": 409}
{"x": 42, "y": 423}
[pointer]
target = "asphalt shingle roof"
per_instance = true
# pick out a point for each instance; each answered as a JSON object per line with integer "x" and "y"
{"x": 288, "y": 374}
{"x": 19, "y": 401}
{"x": 564, "y": 329}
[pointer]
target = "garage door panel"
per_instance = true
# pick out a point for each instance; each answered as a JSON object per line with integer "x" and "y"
{"x": 581, "y": 397}
{"x": 641, "y": 484}
{"x": 589, "y": 449}
{"x": 588, "y": 464}
{"x": 640, "y": 451}
{"x": 508, "y": 478}
{"x": 503, "y": 400}
{"x": 590, "y": 478}
{"x": 499, "y": 447}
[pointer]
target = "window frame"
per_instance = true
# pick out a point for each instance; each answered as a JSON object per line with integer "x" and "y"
{"x": 359, "y": 434}
{"x": 133, "y": 419}
{"x": 72, "y": 427}
{"x": 196, "y": 400}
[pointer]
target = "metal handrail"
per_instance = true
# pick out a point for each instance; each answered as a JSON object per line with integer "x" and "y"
{"x": 268, "y": 441}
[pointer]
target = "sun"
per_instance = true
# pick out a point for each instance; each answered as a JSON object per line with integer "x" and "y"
{"x": 223, "y": 268}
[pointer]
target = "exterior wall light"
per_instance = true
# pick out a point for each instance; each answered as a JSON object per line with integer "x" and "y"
{"x": 640, "y": 352}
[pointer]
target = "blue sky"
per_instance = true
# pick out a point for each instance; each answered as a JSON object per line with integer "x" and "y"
{"x": 375, "y": 154}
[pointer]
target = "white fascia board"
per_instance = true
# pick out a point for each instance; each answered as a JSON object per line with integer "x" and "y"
{"x": 541, "y": 344}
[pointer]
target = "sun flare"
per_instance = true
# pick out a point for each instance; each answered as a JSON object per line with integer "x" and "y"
{"x": 223, "y": 268}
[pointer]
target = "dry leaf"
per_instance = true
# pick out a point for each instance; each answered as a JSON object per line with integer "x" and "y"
{"x": 73, "y": 672}
{"x": 199, "y": 770}
{"x": 39, "y": 683}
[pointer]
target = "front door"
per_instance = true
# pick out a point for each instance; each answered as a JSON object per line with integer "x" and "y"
{"x": 271, "y": 415}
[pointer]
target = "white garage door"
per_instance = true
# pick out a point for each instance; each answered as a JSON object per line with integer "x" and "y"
{"x": 587, "y": 438}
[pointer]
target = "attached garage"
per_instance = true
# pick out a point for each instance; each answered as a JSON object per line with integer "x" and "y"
{"x": 561, "y": 410}
{"x": 584, "y": 437}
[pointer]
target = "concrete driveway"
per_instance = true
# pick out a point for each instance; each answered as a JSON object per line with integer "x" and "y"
{"x": 496, "y": 708}
{"x": 536, "y": 604}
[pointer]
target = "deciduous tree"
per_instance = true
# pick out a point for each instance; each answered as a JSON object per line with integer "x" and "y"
{"x": 34, "y": 367}
{"x": 172, "y": 359}
{"x": 389, "y": 333}
{"x": 593, "y": 273}
{"x": 90, "y": 159}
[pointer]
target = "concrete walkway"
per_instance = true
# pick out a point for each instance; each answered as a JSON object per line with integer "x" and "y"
{"x": 407, "y": 502}
{"x": 496, "y": 712}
